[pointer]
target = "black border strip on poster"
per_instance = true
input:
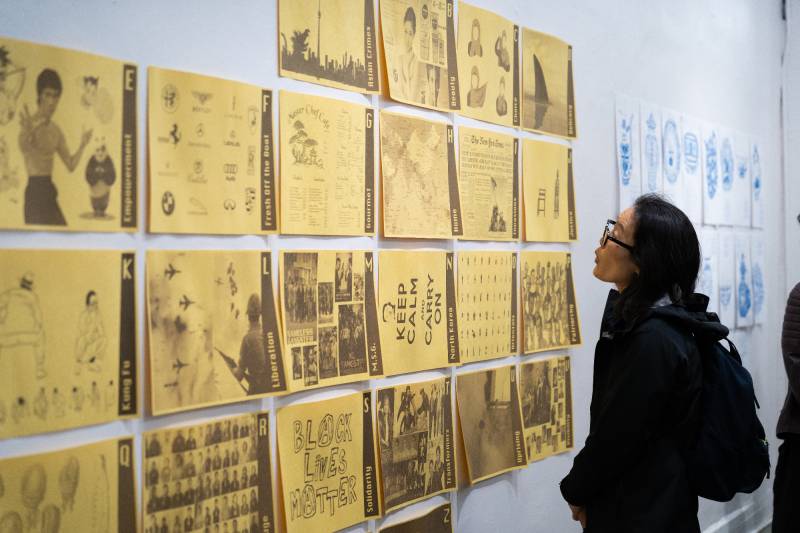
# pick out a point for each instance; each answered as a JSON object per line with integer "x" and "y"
{"x": 269, "y": 221}
{"x": 572, "y": 306}
{"x": 520, "y": 455}
{"x": 572, "y": 129}
{"x": 269, "y": 324}
{"x": 514, "y": 267}
{"x": 126, "y": 380}
{"x": 515, "y": 193}
{"x": 573, "y": 226}
{"x": 129, "y": 171}
{"x": 454, "y": 99}
{"x": 371, "y": 505}
{"x": 126, "y": 498}
{"x": 456, "y": 228}
{"x": 449, "y": 449}
{"x": 369, "y": 171}
{"x": 568, "y": 392}
{"x": 515, "y": 115}
{"x": 453, "y": 354}
{"x": 266, "y": 517}
{"x": 374, "y": 354}
{"x": 370, "y": 47}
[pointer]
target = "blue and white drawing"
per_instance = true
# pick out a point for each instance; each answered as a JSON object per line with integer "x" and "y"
{"x": 652, "y": 152}
{"x": 744, "y": 303}
{"x": 691, "y": 151}
{"x": 626, "y": 150}
{"x": 726, "y": 164}
{"x": 755, "y": 168}
{"x": 725, "y": 293}
{"x": 672, "y": 151}
{"x": 706, "y": 279}
{"x": 712, "y": 172}
{"x": 758, "y": 289}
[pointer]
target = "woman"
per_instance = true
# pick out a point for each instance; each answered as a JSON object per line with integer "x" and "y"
{"x": 630, "y": 475}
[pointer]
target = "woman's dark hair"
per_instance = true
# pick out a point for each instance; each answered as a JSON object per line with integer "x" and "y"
{"x": 667, "y": 252}
{"x": 411, "y": 17}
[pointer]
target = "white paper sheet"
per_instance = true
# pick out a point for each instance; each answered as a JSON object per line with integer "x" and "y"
{"x": 650, "y": 147}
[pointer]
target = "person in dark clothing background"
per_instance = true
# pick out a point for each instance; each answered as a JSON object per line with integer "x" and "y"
{"x": 630, "y": 475}
{"x": 786, "y": 513}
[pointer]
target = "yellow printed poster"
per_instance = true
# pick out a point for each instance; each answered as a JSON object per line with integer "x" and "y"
{"x": 548, "y": 92}
{"x": 88, "y": 488}
{"x": 546, "y": 390}
{"x": 419, "y": 43}
{"x": 488, "y": 181}
{"x": 330, "y": 323}
{"x": 217, "y": 473}
{"x": 491, "y": 422}
{"x": 420, "y": 182}
{"x": 67, "y": 339}
{"x": 417, "y": 311}
{"x": 549, "y": 308}
{"x": 327, "y": 460}
{"x": 488, "y": 62}
{"x": 211, "y": 162}
{"x": 313, "y": 47}
{"x": 212, "y": 329}
{"x": 487, "y": 305}
{"x": 548, "y": 192}
{"x": 327, "y": 166}
{"x": 437, "y": 520}
{"x": 415, "y": 440}
{"x": 68, "y": 141}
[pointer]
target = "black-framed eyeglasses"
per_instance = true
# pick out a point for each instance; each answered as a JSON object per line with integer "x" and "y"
{"x": 607, "y": 236}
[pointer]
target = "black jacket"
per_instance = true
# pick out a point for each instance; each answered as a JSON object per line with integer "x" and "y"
{"x": 789, "y": 421}
{"x": 630, "y": 475}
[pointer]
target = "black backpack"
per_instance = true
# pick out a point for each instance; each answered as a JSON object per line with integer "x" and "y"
{"x": 731, "y": 453}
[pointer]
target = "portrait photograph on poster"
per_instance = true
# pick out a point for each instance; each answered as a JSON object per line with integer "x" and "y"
{"x": 546, "y": 395}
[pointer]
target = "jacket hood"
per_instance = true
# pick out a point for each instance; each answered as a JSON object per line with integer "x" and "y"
{"x": 691, "y": 314}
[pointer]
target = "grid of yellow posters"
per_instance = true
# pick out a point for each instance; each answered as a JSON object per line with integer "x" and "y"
{"x": 548, "y": 93}
{"x": 88, "y": 488}
{"x": 67, "y": 339}
{"x": 212, "y": 328}
{"x": 548, "y": 192}
{"x": 216, "y": 474}
{"x": 420, "y": 182}
{"x": 488, "y": 62}
{"x": 330, "y": 324}
{"x": 491, "y": 422}
{"x": 546, "y": 390}
{"x": 417, "y": 311}
{"x": 419, "y": 44}
{"x": 487, "y": 305}
{"x": 549, "y": 308}
{"x": 313, "y": 47}
{"x": 437, "y": 520}
{"x": 211, "y": 157}
{"x": 488, "y": 182}
{"x": 68, "y": 141}
{"x": 327, "y": 463}
{"x": 415, "y": 441}
{"x": 327, "y": 166}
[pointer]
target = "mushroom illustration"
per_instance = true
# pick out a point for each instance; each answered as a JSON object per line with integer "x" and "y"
{"x": 68, "y": 482}
{"x": 11, "y": 522}
{"x": 51, "y": 519}
{"x": 34, "y": 483}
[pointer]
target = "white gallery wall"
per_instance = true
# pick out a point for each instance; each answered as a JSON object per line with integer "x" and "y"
{"x": 718, "y": 60}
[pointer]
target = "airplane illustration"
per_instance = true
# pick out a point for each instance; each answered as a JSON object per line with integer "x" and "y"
{"x": 219, "y": 281}
{"x": 178, "y": 365}
{"x": 171, "y": 385}
{"x": 185, "y": 302}
{"x": 170, "y": 271}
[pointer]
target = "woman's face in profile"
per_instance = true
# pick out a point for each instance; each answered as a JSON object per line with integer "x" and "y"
{"x": 614, "y": 263}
